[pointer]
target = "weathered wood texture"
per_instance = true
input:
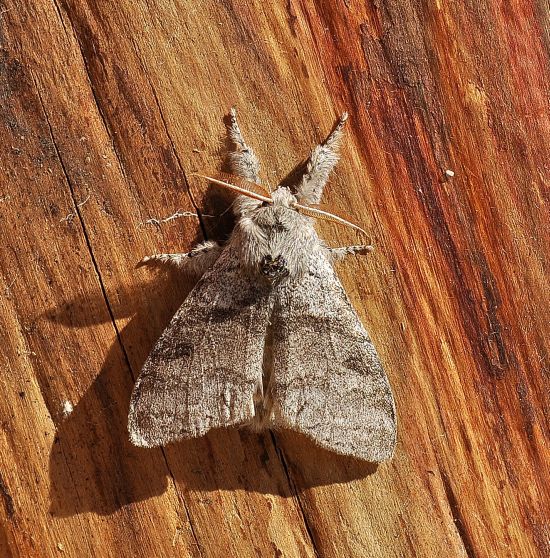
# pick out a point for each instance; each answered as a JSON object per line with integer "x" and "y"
{"x": 103, "y": 104}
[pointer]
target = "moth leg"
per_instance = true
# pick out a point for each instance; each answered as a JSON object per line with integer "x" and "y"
{"x": 322, "y": 160}
{"x": 340, "y": 253}
{"x": 196, "y": 262}
{"x": 243, "y": 160}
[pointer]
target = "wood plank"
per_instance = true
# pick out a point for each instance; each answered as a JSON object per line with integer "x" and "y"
{"x": 117, "y": 100}
{"x": 63, "y": 471}
{"x": 115, "y": 112}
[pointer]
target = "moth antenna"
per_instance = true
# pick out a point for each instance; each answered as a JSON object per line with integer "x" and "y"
{"x": 245, "y": 183}
{"x": 325, "y": 216}
{"x": 240, "y": 185}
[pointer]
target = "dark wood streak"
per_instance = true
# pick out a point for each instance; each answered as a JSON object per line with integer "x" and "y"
{"x": 7, "y": 498}
{"x": 416, "y": 89}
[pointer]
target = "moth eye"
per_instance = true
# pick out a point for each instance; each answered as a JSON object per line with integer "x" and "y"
{"x": 265, "y": 204}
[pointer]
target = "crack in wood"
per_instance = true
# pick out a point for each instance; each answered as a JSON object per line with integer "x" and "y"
{"x": 93, "y": 259}
{"x": 294, "y": 490}
{"x": 457, "y": 517}
{"x": 7, "y": 497}
{"x": 97, "y": 103}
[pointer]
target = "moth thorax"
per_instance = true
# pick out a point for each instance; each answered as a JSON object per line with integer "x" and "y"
{"x": 274, "y": 267}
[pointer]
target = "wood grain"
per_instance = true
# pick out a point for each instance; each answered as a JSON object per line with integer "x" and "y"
{"x": 103, "y": 106}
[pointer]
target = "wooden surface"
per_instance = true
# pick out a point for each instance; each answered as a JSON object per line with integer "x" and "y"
{"x": 103, "y": 104}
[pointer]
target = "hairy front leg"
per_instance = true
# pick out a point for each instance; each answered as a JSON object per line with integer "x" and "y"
{"x": 322, "y": 160}
{"x": 195, "y": 263}
{"x": 340, "y": 253}
{"x": 243, "y": 163}
{"x": 243, "y": 160}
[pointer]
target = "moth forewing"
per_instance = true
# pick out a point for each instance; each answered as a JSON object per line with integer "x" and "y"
{"x": 204, "y": 370}
{"x": 328, "y": 382}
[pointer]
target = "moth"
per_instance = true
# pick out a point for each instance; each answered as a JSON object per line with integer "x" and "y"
{"x": 267, "y": 338}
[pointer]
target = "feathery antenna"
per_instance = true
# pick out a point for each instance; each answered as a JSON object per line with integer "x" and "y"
{"x": 244, "y": 187}
{"x": 250, "y": 189}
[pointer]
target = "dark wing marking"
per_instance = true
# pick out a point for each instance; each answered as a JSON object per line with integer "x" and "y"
{"x": 327, "y": 380}
{"x": 205, "y": 368}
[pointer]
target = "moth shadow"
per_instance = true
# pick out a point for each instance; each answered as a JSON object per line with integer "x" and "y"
{"x": 94, "y": 467}
{"x": 92, "y": 464}
{"x": 310, "y": 465}
{"x": 280, "y": 464}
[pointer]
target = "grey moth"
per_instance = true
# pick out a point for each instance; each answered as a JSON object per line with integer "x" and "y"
{"x": 267, "y": 338}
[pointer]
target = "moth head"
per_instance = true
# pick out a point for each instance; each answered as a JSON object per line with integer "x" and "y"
{"x": 283, "y": 197}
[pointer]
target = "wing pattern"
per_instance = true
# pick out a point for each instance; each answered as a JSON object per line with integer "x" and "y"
{"x": 327, "y": 380}
{"x": 205, "y": 368}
